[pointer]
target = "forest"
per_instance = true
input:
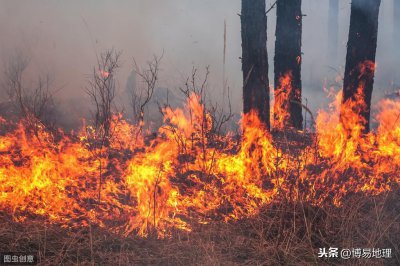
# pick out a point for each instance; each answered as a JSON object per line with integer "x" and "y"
{"x": 247, "y": 132}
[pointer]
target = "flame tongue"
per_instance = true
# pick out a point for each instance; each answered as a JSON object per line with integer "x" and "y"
{"x": 182, "y": 175}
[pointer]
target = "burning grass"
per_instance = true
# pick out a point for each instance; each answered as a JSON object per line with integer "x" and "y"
{"x": 280, "y": 234}
{"x": 261, "y": 197}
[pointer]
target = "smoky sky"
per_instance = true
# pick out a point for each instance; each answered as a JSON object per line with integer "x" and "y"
{"x": 62, "y": 38}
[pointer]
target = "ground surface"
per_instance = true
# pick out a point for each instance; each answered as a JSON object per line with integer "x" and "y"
{"x": 281, "y": 234}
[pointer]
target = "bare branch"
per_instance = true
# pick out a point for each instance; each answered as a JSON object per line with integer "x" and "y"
{"x": 142, "y": 96}
{"x": 35, "y": 102}
{"x": 101, "y": 90}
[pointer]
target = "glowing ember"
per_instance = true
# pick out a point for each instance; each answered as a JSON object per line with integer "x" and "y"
{"x": 104, "y": 73}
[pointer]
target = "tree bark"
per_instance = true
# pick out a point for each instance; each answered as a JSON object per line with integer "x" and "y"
{"x": 288, "y": 61}
{"x": 360, "y": 59}
{"x": 255, "y": 59}
{"x": 333, "y": 31}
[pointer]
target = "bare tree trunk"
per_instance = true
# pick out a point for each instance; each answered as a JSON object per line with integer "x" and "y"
{"x": 288, "y": 60}
{"x": 333, "y": 31}
{"x": 255, "y": 59}
{"x": 360, "y": 60}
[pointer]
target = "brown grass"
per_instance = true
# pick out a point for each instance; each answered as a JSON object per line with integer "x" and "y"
{"x": 281, "y": 234}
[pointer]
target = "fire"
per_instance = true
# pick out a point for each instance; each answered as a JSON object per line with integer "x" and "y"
{"x": 367, "y": 68}
{"x": 282, "y": 98}
{"x": 373, "y": 158}
{"x": 104, "y": 73}
{"x": 187, "y": 174}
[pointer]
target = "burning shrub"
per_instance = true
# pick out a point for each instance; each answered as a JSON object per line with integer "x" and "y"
{"x": 180, "y": 177}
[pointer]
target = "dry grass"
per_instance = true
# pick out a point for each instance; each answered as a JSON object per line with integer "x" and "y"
{"x": 281, "y": 234}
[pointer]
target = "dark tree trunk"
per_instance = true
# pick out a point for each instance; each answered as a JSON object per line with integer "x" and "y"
{"x": 360, "y": 60}
{"x": 288, "y": 60}
{"x": 255, "y": 59}
{"x": 333, "y": 31}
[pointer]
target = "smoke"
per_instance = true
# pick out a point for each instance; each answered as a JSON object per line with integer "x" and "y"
{"x": 62, "y": 38}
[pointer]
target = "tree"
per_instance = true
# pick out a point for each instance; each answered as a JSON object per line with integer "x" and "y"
{"x": 288, "y": 63}
{"x": 141, "y": 96}
{"x": 34, "y": 102}
{"x": 101, "y": 90}
{"x": 255, "y": 59}
{"x": 333, "y": 30}
{"x": 360, "y": 60}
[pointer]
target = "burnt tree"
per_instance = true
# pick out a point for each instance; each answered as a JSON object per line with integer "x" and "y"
{"x": 287, "y": 60}
{"x": 255, "y": 59}
{"x": 360, "y": 60}
{"x": 333, "y": 30}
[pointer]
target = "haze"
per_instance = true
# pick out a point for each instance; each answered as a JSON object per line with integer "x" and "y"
{"x": 61, "y": 38}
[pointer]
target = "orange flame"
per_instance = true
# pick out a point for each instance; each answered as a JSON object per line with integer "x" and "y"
{"x": 187, "y": 174}
{"x": 282, "y": 101}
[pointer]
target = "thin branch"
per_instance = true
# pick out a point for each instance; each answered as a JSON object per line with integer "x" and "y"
{"x": 272, "y": 7}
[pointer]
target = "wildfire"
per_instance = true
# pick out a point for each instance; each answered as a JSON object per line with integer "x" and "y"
{"x": 282, "y": 98}
{"x": 187, "y": 174}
